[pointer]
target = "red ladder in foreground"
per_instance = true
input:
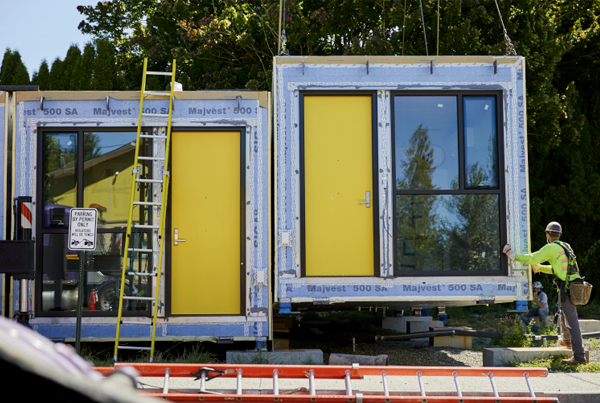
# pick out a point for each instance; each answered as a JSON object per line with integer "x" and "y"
{"x": 206, "y": 372}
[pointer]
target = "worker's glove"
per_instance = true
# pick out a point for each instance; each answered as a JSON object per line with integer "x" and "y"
{"x": 536, "y": 267}
{"x": 509, "y": 252}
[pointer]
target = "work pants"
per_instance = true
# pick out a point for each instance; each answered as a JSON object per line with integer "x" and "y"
{"x": 539, "y": 312}
{"x": 571, "y": 332}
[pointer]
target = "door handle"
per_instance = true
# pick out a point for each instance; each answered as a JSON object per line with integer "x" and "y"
{"x": 176, "y": 239}
{"x": 368, "y": 201}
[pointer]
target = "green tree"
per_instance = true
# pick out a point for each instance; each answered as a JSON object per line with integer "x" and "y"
{"x": 105, "y": 73}
{"x": 13, "y": 71}
{"x": 55, "y": 81}
{"x": 223, "y": 44}
{"x": 42, "y": 76}
{"x": 86, "y": 70}
{"x": 71, "y": 69}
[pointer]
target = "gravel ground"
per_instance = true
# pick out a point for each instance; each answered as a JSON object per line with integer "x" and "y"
{"x": 415, "y": 352}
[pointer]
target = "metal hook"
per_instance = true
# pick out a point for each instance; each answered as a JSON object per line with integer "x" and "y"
{"x": 367, "y": 67}
{"x": 302, "y": 67}
{"x": 107, "y": 102}
{"x": 42, "y": 103}
{"x": 431, "y": 67}
{"x": 495, "y": 66}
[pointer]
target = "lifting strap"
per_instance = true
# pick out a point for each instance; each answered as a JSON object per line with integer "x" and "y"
{"x": 148, "y": 209}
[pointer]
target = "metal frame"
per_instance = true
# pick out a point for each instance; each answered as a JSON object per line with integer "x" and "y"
{"x": 41, "y": 231}
{"x": 500, "y": 190}
{"x": 374, "y": 164}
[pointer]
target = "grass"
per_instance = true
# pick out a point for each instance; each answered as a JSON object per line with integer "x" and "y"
{"x": 553, "y": 364}
{"x": 178, "y": 353}
{"x": 497, "y": 320}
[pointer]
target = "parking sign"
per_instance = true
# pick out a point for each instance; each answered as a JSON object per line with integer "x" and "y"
{"x": 83, "y": 224}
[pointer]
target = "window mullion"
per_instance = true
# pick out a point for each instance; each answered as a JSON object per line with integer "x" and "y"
{"x": 461, "y": 143}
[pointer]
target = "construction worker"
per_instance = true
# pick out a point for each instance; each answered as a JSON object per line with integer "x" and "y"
{"x": 555, "y": 254}
{"x": 539, "y": 309}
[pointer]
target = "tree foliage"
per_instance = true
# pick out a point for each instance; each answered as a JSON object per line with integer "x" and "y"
{"x": 13, "y": 71}
{"x": 225, "y": 44}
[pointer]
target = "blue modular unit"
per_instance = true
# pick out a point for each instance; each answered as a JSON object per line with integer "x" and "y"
{"x": 472, "y": 111}
{"x": 48, "y": 129}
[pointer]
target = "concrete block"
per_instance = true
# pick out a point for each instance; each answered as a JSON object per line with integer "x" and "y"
{"x": 499, "y": 357}
{"x": 589, "y": 325}
{"x": 281, "y": 344}
{"x": 398, "y": 323}
{"x": 465, "y": 342}
{"x": 423, "y": 326}
{"x": 297, "y": 357}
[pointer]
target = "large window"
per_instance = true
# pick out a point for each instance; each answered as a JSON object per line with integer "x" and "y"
{"x": 447, "y": 184}
{"x": 89, "y": 169}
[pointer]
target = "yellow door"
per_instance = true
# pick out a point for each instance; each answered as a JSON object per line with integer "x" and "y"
{"x": 206, "y": 212}
{"x": 338, "y": 173}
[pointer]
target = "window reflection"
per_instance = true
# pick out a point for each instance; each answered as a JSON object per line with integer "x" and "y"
{"x": 102, "y": 274}
{"x": 448, "y": 232}
{"x": 108, "y": 163}
{"x": 107, "y": 159}
{"x": 60, "y": 180}
{"x": 426, "y": 142}
{"x": 481, "y": 145}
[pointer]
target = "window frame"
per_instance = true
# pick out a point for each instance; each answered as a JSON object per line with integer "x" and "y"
{"x": 39, "y": 208}
{"x": 500, "y": 190}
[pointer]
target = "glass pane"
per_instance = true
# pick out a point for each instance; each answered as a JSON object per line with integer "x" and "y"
{"x": 60, "y": 178}
{"x": 448, "y": 232}
{"x": 481, "y": 145}
{"x": 426, "y": 136}
{"x": 108, "y": 163}
{"x": 102, "y": 274}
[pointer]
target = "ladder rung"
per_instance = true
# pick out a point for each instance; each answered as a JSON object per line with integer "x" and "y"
{"x": 160, "y": 94}
{"x": 147, "y": 250}
{"x": 133, "y": 348}
{"x": 140, "y": 203}
{"x": 149, "y": 180}
{"x": 135, "y": 322}
{"x": 141, "y": 157}
{"x": 138, "y": 298}
{"x": 149, "y": 136}
{"x": 159, "y": 73}
{"x": 147, "y": 226}
{"x": 156, "y": 115}
{"x": 141, "y": 273}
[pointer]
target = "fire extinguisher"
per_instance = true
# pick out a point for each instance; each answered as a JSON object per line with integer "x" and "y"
{"x": 93, "y": 299}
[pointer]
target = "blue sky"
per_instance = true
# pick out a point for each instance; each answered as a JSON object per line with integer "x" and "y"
{"x": 41, "y": 29}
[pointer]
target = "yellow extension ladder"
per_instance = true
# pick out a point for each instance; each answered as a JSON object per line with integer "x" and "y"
{"x": 131, "y": 248}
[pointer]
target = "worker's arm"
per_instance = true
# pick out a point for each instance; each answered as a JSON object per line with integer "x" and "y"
{"x": 541, "y": 268}
{"x": 543, "y": 255}
{"x": 544, "y": 268}
{"x": 539, "y": 303}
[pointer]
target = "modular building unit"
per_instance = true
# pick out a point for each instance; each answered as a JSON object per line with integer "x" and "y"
{"x": 76, "y": 149}
{"x": 399, "y": 179}
{"x": 3, "y": 159}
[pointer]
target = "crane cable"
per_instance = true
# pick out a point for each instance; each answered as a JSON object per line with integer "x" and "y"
{"x": 510, "y": 48}
{"x": 282, "y": 40}
{"x": 423, "y": 23}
